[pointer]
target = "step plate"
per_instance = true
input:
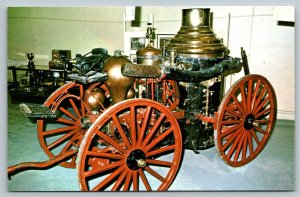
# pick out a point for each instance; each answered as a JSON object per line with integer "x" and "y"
{"x": 36, "y": 111}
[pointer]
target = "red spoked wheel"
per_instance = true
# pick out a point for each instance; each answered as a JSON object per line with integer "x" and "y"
{"x": 134, "y": 145}
{"x": 246, "y": 118}
{"x": 56, "y": 136}
{"x": 170, "y": 94}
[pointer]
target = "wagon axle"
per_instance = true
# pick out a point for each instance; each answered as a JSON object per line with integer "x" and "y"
{"x": 249, "y": 122}
{"x": 136, "y": 160}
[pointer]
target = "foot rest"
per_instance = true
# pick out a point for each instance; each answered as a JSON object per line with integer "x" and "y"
{"x": 36, "y": 111}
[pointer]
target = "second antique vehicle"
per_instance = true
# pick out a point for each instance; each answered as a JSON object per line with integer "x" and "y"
{"x": 124, "y": 126}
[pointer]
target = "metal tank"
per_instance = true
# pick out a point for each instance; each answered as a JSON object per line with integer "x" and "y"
{"x": 119, "y": 85}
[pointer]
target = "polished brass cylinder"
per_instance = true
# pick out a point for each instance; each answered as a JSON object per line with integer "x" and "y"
{"x": 196, "y": 38}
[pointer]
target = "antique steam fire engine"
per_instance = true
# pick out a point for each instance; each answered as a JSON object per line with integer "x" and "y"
{"x": 124, "y": 125}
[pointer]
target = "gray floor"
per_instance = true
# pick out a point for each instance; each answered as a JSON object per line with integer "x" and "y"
{"x": 273, "y": 169}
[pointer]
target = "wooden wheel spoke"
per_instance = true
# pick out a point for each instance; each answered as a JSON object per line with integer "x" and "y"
{"x": 63, "y": 120}
{"x": 61, "y": 140}
{"x": 235, "y": 143}
{"x": 144, "y": 179}
{"x": 257, "y": 87}
{"x": 245, "y": 145}
{"x": 229, "y": 122}
{"x": 232, "y": 106}
{"x": 260, "y": 130}
{"x": 144, "y": 125}
{"x": 110, "y": 141}
{"x": 133, "y": 126}
{"x": 62, "y": 109}
{"x": 229, "y": 141}
{"x": 68, "y": 145}
{"x": 249, "y": 95}
{"x": 250, "y": 143}
{"x": 135, "y": 180}
{"x": 127, "y": 181}
{"x": 74, "y": 107}
{"x": 158, "y": 139}
{"x": 159, "y": 162}
{"x": 153, "y": 130}
{"x": 244, "y": 100}
{"x": 155, "y": 174}
{"x": 255, "y": 137}
{"x": 58, "y": 131}
{"x": 105, "y": 155}
{"x": 262, "y": 121}
{"x": 262, "y": 113}
{"x": 238, "y": 105}
{"x": 230, "y": 130}
{"x": 81, "y": 93}
{"x": 161, "y": 150}
{"x": 121, "y": 131}
{"x": 233, "y": 112}
{"x": 239, "y": 148}
{"x": 261, "y": 105}
{"x": 260, "y": 96}
{"x": 108, "y": 179}
{"x": 119, "y": 181}
{"x": 103, "y": 168}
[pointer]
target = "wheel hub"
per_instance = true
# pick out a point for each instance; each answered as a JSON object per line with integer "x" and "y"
{"x": 136, "y": 160}
{"x": 249, "y": 121}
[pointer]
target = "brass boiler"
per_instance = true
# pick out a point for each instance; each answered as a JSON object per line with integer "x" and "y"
{"x": 196, "y": 39}
{"x": 196, "y": 45}
{"x": 119, "y": 86}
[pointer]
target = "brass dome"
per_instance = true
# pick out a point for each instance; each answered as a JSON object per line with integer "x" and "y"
{"x": 149, "y": 55}
{"x": 196, "y": 38}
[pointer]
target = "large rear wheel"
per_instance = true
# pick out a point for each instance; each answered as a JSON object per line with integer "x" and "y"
{"x": 246, "y": 118}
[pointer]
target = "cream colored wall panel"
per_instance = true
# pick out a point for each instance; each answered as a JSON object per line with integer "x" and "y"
{"x": 19, "y": 35}
{"x": 263, "y": 10}
{"x": 221, "y": 28}
{"x": 166, "y": 19}
{"x": 235, "y": 11}
{"x": 109, "y": 14}
{"x": 79, "y": 38}
{"x": 273, "y": 56}
{"x": 239, "y": 35}
{"x": 41, "y": 33}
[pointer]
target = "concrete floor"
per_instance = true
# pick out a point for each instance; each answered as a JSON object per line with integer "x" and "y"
{"x": 273, "y": 169}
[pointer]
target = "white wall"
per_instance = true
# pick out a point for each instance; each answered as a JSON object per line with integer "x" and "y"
{"x": 39, "y": 30}
{"x": 270, "y": 48}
